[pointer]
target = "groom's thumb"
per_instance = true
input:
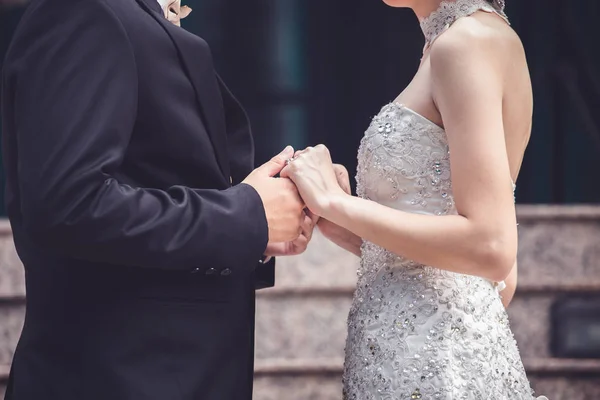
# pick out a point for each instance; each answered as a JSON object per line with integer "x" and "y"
{"x": 277, "y": 163}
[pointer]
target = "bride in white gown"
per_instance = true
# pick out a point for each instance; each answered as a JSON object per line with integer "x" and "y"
{"x": 434, "y": 221}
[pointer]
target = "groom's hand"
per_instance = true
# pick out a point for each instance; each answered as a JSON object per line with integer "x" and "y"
{"x": 297, "y": 246}
{"x": 283, "y": 206}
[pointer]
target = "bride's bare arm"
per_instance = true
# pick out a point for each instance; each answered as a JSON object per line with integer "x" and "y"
{"x": 335, "y": 233}
{"x": 482, "y": 239}
{"x": 341, "y": 236}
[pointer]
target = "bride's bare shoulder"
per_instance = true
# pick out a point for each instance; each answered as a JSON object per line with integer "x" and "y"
{"x": 482, "y": 38}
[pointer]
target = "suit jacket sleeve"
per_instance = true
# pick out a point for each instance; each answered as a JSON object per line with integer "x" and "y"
{"x": 75, "y": 101}
{"x": 241, "y": 149}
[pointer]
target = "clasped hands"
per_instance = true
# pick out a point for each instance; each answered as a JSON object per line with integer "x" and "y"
{"x": 298, "y": 200}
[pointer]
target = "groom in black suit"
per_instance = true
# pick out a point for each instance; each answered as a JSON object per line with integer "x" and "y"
{"x": 142, "y": 228}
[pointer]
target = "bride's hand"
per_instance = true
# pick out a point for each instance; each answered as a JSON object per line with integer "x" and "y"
{"x": 330, "y": 230}
{"x": 315, "y": 177}
{"x": 341, "y": 174}
{"x": 335, "y": 233}
{"x": 343, "y": 178}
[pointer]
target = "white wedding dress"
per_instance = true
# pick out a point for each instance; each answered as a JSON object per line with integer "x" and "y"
{"x": 414, "y": 331}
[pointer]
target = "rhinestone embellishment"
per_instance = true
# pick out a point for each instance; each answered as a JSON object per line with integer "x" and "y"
{"x": 415, "y": 331}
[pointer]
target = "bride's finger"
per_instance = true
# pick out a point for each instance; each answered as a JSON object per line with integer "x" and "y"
{"x": 314, "y": 218}
{"x": 343, "y": 178}
{"x": 292, "y": 165}
{"x": 301, "y": 153}
{"x": 298, "y": 152}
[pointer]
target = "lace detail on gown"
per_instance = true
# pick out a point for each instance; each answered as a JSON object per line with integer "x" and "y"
{"x": 414, "y": 331}
{"x": 450, "y": 11}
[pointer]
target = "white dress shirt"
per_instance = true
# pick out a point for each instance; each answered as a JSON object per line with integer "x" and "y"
{"x": 164, "y": 3}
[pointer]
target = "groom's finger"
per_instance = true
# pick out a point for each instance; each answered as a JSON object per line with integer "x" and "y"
{"x": 284, "y": 173}
{"x": 277, "y": 163}
{"x": 310, "y": 222}
{"x": 306, "y": 225}
{"x": 300, "y": 244}
{"x": 314, "y": 218}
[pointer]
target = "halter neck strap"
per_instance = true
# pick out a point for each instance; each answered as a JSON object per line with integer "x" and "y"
{"x": 450, "y": 11}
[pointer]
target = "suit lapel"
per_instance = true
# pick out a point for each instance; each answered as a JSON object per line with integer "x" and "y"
{"x": 196, "y": 58}
{"x": 239, "y": 135}
{"x": 153, "y": 5}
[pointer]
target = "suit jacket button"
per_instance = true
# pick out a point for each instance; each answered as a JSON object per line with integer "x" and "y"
{"x": 211, "y": 271}
{"x": 226, "y": 272}
{"x": 195, "y": 271}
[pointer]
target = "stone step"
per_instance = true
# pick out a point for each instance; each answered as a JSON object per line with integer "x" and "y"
{"x": 306, "y": 322}
{"x": 4, "y": 371}
{"x": 313, "y": 324}
{"x": 11, "y": 323}
{"x": 293, "y": 327}
{"x": 297, "y": 388}
{"x": 333, "y": 366}
{"x": 12, "y": 277}
{"x": 330, "y": 388}
{"x": 567, "y": 388}
{"x": 559, "y": 245}
{"x": 321, "y": 379}
{"x": 530, "y": 323}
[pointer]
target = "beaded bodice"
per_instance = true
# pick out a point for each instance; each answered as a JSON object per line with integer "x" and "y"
{"x": 403, "y": 162}
{"x": 450, "y": 11}
{"x": 415, "y": 331}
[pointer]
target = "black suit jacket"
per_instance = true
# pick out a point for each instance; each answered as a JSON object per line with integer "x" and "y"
{"x": 124, "y": 153}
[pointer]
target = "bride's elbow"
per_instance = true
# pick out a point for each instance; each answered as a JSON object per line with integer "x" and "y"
{"x": 497, "y": 257}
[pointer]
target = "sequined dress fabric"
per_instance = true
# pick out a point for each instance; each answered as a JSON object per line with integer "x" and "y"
{"x": 414, "y": 331}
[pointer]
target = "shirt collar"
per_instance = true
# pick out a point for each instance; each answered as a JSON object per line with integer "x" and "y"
{"x": 164, "y": 3}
